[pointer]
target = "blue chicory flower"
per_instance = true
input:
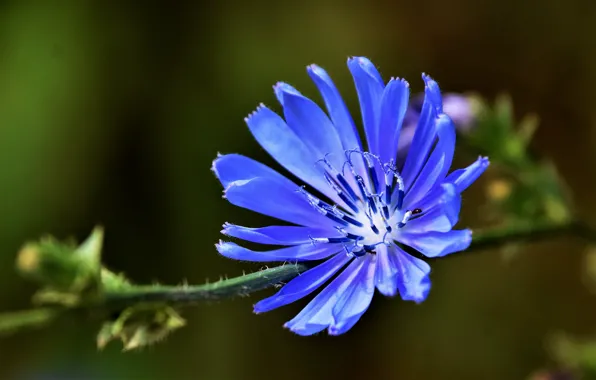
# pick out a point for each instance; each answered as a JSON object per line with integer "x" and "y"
{"x": 366, "y": 207}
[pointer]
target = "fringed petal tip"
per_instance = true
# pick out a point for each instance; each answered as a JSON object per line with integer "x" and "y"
{"x": 365, "y": 65}
{"x": 307, "y": 329}
{"x": 257, "y": 308}
{"x": 215, "y": 163}
{"x": 337, "y": 330}
{"x": 314, "y": 69}
{"x": 310, "y": 330}
{"x": 225, "y": 228}
{"x": 213, "y": 168}
{"x": 299, "y": 331}
{"x": 432, "y": 93}
{"x": 282, "y": 90}
{"x": 400, "y": 81}
{"x": 221, "y": 246}
{"x": 387, "y": 289}
{"x": 420, "y": 295}
{"x": 463, "y": 178}
{"x": 232, "y": 251}
{"x": 256, "y": 112}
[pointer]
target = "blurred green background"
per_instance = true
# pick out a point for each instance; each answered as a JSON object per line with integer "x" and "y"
{"x": 111, "y": 113}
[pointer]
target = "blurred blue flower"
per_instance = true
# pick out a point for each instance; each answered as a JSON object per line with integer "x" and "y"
{"x": 458, "y": 107}
{"x": 366, "y": 208}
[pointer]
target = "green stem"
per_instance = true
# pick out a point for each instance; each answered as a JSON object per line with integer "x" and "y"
{"x": 244, "y": 285}
{"x": 119, "y": 298}
{"x": 189, "y": 294}
{"x": 12, "y": 322}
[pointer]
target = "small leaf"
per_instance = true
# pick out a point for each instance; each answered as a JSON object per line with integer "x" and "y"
{"x": 140, "y": 325}
{"x": 90, "y": 250}
{"x": 68, "y": 274}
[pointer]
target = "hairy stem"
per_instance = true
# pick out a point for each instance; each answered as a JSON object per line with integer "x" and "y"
{"x": 244, "y": 285}
{"x": 119, "y": 298}
{"x": 189, "y": 294}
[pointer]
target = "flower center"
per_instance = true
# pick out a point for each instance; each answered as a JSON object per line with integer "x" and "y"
{"x": 372, "y": 212}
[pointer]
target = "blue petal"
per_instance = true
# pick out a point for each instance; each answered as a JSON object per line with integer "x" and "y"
{"x": 317, "y": 315}
{"x": 386, "y": 271}
{"x": 340, "y": 116}
{"x": 434, "y": 92}
{"x": 279, "y": 235}
{"x": 424, "y": 136}
{"x": 403, "y": 144}
{"x": 438, "y": 164}
{"x": 462, "y": 178}
{"x": 304, "y": 284}
{"x": 274, "y": 135}
{"x": 294, "y": 253}
{"x": 255, "y": 186}
{"x": 393, "y": 109}
{"x": 441, "y": 215}
{"x": 355, "y": 301}
{"x": 281, "y": 88}
{"x": 311, "y": 125}
{"x": 342, "y": 121}
{"x": 369, "y": 86}
{"x": 413, "y": 281}
{"x": 229, "y": 168}
{"x": 438, "y": 244}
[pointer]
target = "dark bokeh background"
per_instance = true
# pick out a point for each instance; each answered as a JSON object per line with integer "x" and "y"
{"x": 111, "y": 112}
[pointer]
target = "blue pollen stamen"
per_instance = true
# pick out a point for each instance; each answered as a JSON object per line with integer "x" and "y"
{"x": 336, "y": 219}
{"x": 322, "y": 207}
{"x": 371, "y": 169}
{"x": 405, "y": 219}
{"x": 374, "y": 229}
{"x": 348, "y": 234}
{"x": 357, "y": 177}
{"x": 360, "y": 182}
{"x": 400, "y": 199}
{"x": 347, "y": 201}
{"x": 385, "y": 211}
{"x": 345, "y": 218}
{"x": 373, "y": 202}
{"x": 340, "y": 179}
{"x": 370, "y": 202}
{"x": 354, "y": 237}
{"x": 371, "y": 247}
{"x": 338, "y": 240}
{"x": 372, "y": 173}
{"x": 388, "y": 191}
{"x": 390, "y": 174}
{"x": 353, "y": 221}
{"x": 389, "y": 184}
{"x": 341, "y": 194}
